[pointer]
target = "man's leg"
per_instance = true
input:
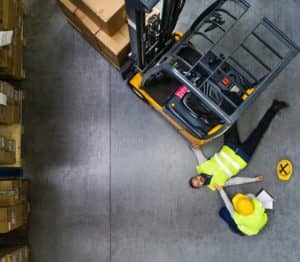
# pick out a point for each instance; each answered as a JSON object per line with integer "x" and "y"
{"x": 232, "y": 136}
{"x": 225, "y": 215}
{"x": 251, "y": 143}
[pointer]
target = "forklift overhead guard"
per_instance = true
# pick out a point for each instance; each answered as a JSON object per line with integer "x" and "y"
{"x": 197, "y": 84}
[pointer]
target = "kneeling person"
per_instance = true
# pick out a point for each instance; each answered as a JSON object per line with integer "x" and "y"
{"x": 245, "y": 215}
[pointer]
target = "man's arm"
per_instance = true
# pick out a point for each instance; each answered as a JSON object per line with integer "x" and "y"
{"x": 243, "y": 180}
{"x": 226, "y": 199}
{"x": 200, "y": 157}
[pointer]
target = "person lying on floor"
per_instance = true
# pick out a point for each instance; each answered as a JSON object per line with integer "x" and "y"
{"x": 245, "y": 214}
{"x": 234, "y": 156}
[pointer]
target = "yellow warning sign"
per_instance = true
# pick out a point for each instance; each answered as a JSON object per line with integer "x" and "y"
{"x": 284, "y": 170}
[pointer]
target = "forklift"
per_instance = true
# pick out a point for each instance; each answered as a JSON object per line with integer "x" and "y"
{"x": 202, "y": 81}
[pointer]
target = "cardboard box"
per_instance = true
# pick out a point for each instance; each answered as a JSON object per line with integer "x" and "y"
{"x": 7, "y": 114}
{"x": 18, "y": 52}
{"x": 8, "y": 14}
{"x": 6, "y": 144}
{"x": 109, "y": 15}
{"x": 7, "y": 151}
{"x": 10, "y": 114}
{"x": 14, "y": 132}
{"x": 12, "y": 95}
{"x": 13, "y": 56}
{"x": 7, "y": 157}
{"x": 12, "y": 65}
{"x": 14, "y": 254}
{"x": 115, "y": 47}
{"x": 87, "y": 27}
{"x": 68, "y": 8}
{"x": 6, "y": 57}
{"x": 13, "y": 192}
{"x": 13, "y": 217}
{"x": 73, "y": 14}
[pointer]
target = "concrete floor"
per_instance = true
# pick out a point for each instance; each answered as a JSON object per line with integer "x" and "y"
{"x": 109, "y": 175}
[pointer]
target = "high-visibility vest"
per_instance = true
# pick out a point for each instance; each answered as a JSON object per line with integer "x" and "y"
{"x": 222, "y": 166}
{"x": 252, "y": 224}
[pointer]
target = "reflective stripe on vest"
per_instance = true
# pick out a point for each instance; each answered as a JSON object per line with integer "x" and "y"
{"x": 227, "y": 171}
{"x": 232, "y": 162}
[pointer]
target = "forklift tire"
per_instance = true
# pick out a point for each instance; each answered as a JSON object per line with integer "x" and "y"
{"x": 139, "y": 95}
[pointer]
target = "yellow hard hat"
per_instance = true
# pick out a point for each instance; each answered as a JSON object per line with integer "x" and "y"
{"x": 243, "y": 204}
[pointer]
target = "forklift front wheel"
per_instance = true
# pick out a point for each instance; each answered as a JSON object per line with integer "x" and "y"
{"x": 139, "y": 95}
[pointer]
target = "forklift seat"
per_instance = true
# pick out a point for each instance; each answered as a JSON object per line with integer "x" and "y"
{"x": 200, "y": 111}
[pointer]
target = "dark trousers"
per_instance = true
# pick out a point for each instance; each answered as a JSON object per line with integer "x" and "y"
{"x": 225, "y": 215}
{"x": 250, "y": 144}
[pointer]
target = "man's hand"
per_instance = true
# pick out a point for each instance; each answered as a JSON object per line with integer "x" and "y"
{"x": 259, "y": 178}
{"x": 218, "y": 187}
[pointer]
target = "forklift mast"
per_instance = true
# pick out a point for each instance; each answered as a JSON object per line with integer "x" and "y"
{"x": 148, "y": 41}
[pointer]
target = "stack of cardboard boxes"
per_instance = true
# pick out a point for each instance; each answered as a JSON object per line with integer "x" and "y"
{"x": 15, "y": 254}
{"x": 103, "y": 24}
{"x": 14, "y": 210}
{"x": 12, "y": 39}
{"x": 10, "y": 125}
{"x": 14, "y": 207}
{"x": 10, "y": 104}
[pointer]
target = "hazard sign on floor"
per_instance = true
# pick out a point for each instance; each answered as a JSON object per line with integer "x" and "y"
{"x": 284, "y": 170}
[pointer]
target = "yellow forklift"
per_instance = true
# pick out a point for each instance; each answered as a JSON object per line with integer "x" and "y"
{"x": 202, "y": 81}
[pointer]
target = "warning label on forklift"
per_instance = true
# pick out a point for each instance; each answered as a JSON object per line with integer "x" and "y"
{"x": 181, "y": 91}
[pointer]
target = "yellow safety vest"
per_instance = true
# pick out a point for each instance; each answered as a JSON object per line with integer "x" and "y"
{"x": 251, "y": 225}
{"x": 222, "y": 166}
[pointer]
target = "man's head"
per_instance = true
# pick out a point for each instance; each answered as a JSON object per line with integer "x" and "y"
{"x": 197, "y": 182}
